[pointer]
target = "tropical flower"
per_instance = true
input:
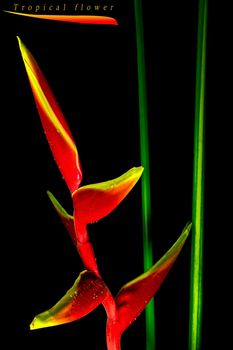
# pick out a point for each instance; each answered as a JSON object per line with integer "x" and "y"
{"x": 90, "y": 204}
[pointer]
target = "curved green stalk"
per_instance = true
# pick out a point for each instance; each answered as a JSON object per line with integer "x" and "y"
{"x": 196, "y": 279}
{"x": 144, "y": 152}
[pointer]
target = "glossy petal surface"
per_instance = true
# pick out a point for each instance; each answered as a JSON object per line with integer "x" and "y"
{"x": 135, "y": 295}
{"x": 54, "y": 124}
{"x": 93, "y": 202}
{"x": 83, "y": 297}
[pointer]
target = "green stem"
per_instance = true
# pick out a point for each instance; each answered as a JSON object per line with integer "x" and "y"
{"x": 196, "y": 278}
{"x": 144, "y": 154}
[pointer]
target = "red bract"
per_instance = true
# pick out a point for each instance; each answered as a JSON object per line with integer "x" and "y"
{"x": 55, "y": 127}
{"x": 84, "y": 296}
{"x": 91, "y": 203}
{"x": 135, "y": 295}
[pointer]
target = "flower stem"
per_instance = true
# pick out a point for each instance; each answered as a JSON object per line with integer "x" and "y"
{"x": 87, "y": 255}
{"x": 113, "y": 336}
{"x": 144, "y": 152}
{"x": 110, "y": 307}
{"x": 196, "y": 278}
{"x": 85, "y": 248}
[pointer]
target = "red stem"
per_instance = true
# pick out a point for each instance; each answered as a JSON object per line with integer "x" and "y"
{"x": 85, "y": 248}
{"x": 113, "y": 336}
{"x": 110, "y": 306}
{"x": 81, "y": 231}
{"x": 87, "y": 255}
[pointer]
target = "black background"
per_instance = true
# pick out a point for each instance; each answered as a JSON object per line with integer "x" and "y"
{"x": 92, "y": 71}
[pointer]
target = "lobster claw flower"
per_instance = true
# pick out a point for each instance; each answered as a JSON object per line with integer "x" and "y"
{"x": 84, "y": 296}
{"x": 91, "y": 203}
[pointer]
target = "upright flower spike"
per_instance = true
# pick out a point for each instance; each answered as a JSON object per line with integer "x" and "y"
{"x": 54, "y": 124}
{"x": 91, "y": 203}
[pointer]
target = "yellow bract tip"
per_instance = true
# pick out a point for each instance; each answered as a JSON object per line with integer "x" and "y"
{"x": 20, "y": 43}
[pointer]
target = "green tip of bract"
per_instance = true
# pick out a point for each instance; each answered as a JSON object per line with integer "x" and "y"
{"x": 39, "y": 321}
{"x": 187, "y": 228}
{"x": 137, "y": 170}
{"x": 58, "y": 206}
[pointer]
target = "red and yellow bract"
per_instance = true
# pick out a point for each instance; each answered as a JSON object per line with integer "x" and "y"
{"x": 84, "y": 296}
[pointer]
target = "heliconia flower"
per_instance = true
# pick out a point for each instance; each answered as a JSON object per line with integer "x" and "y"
{"x": 91, "y": 203}
{"x": 85, "y": 19}
{"x": 83, "y": 297}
